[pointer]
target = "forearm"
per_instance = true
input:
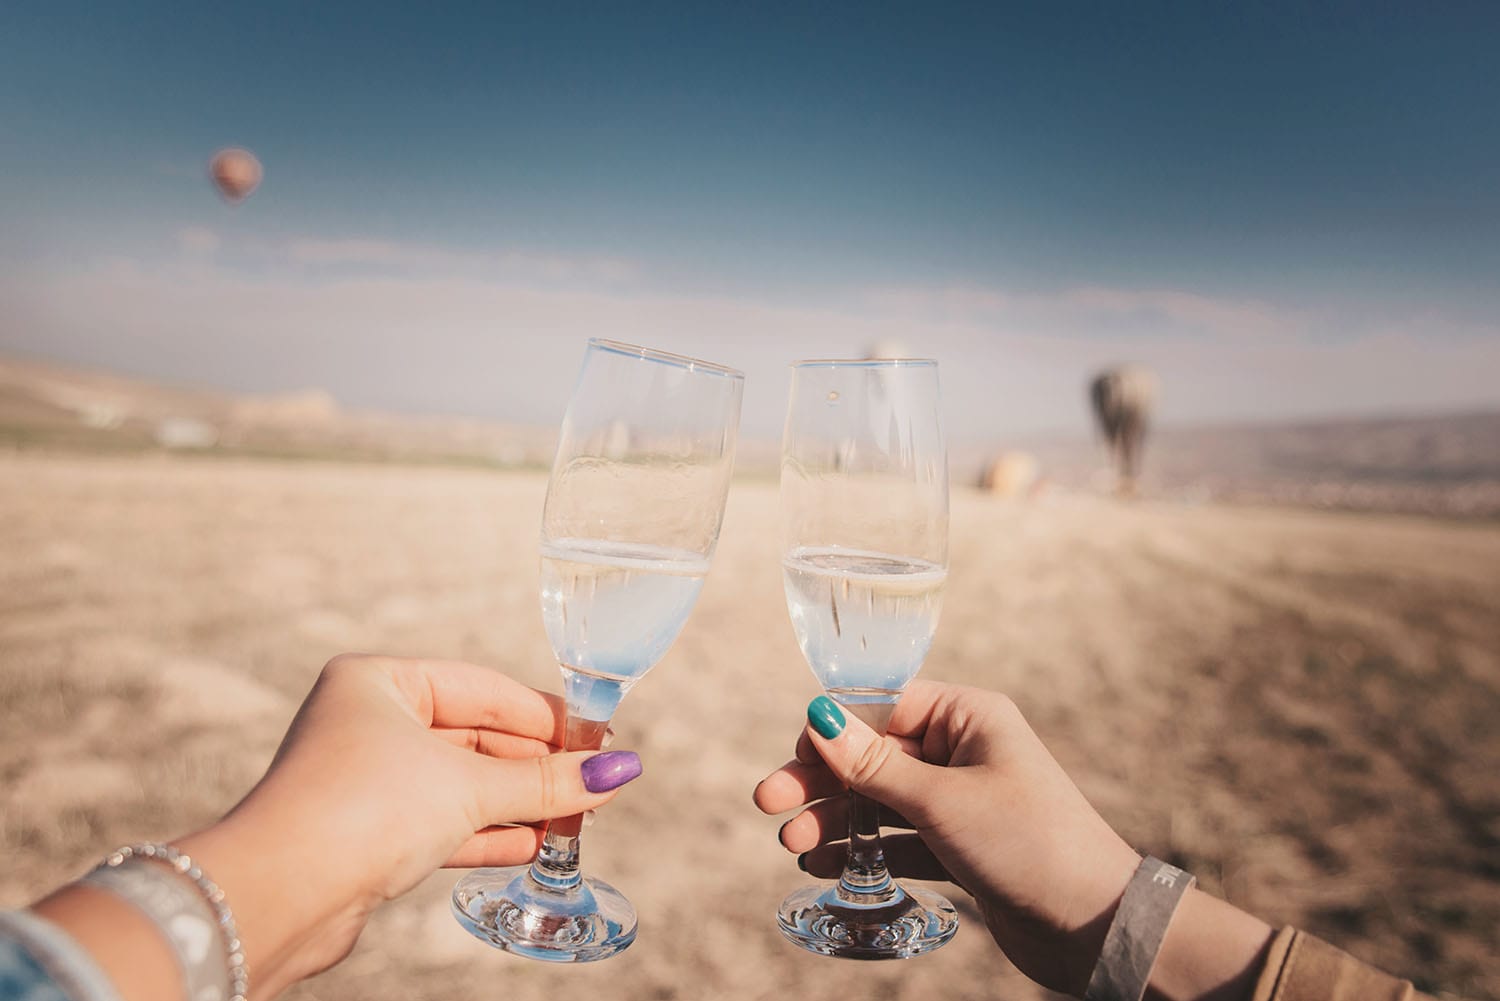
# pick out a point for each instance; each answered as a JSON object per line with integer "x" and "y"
{"x": 281, "y": 902}
{"x": 1213, "y": 952}
{"x": 286, "y": 896}
{"x": 130, "y": 950}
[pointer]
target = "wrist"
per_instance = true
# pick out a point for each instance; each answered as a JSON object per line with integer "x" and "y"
{"x": 1097, "y": 912}
{"x": 1161, "y": 939}
{"x": 295, "y": 915}
{"x": 1213, "y": 952}
{"x": 131, "y": 951}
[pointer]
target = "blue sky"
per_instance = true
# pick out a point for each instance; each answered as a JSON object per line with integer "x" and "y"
{"x": 1289, "y": 210}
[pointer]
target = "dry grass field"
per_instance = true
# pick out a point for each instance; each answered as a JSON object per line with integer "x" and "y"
{"x": 1303, "y": 708}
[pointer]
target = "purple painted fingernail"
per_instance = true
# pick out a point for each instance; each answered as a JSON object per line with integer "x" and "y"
{"x": 610, "y": 770}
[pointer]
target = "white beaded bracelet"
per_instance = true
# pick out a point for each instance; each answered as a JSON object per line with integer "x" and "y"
{"x": 187, "y": 932}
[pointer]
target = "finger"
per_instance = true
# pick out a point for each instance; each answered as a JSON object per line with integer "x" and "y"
{"x": 920, "y": 703}
{"x": 498, "y": 846}
{"x": 794, "y": 784}
{"x": 805, "y": 752}
{"x": 936, "y": 714}
{"x": 905, "y": 855}
{"x": 807, "y": 778}
{"x": 453, "y": 694}
{"x": 871, "y": 764}
{"x": 494, "y": 743}
{"x": 828, "y": 821}
{"x": 525, "y": 790}
{"x": 808, "y": 754}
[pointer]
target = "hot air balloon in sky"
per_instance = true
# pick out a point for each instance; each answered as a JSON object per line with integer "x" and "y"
{"x": 236, "y": 173}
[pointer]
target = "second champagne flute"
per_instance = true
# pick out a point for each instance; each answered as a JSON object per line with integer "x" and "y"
{"x": 864, "y": 500}
{"x": 630, "y": 523}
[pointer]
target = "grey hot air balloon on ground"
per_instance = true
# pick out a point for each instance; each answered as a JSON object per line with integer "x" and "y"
{"x": 1123, "y": 398}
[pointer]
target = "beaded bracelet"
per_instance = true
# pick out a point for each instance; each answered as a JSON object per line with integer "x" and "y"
{"x": 188, "y": 933}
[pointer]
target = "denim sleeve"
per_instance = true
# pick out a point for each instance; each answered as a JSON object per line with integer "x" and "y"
{"x": 41, "y": 962}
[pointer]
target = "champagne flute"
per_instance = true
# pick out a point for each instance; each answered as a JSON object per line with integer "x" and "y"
{"x": 864, "y": 498}
{"x": 630, "y": 522}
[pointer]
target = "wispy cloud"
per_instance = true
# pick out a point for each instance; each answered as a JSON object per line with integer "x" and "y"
{"x": 198, "y": 241}
{"x": 384, "y": 323}
{"x": 1090, "y": 308}
{"x": 405, "y": 260}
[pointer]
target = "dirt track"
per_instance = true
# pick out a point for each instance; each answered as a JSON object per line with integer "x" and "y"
{"x": 1302, "y": 708}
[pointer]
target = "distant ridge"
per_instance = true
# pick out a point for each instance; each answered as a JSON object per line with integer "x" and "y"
{"x": 44, "y": 405}
{"x": 1444, "y": 465}
{"x": 1441, "y": 465}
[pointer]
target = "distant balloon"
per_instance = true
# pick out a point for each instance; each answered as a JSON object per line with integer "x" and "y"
{"x": 236, "y": 173}
{"x": 1123, "y": 399}
{"x": 1010, "y": 474}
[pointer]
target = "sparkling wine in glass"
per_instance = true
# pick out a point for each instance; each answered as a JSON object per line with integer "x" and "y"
{"x": 629, "y": 526}
{"x": 864, "y": 499}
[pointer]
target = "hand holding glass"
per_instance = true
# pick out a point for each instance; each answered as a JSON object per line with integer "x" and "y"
{"x": 630, "y": 523}
{"x": 864, "y": 497}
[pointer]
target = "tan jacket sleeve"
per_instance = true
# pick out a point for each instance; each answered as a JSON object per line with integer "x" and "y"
{"x": 1300, "y": 967}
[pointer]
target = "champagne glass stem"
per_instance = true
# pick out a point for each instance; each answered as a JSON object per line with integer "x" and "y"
{"x": 557, "y": 863}
{"x": 865, "y": 880}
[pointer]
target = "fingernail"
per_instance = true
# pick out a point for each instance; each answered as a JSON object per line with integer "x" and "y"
{"x": 826, "y": 717}
{"x": 802, "y": 861}
{"x": 610, "y": 770}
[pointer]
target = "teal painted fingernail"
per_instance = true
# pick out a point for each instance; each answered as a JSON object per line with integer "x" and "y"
{"x": 802, "y": 861}
{"x": 826, "y": 717}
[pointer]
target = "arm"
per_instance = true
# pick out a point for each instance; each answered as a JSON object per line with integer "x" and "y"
{"x": 391, "y": 769}
{"x": 993, "y": 811}
{"x": 1213, "y": 951}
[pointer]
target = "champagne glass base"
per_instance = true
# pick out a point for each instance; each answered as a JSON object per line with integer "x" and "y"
{"x": 513, "y": 911}
{"x": 915, "y": 921}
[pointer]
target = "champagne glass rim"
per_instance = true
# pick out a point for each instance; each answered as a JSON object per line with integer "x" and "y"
{"x": 865, "y": 363}
{"x": 665, "y": 357}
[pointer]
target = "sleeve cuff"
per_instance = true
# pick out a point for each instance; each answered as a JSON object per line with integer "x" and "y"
{"x": 1300, "y": 967}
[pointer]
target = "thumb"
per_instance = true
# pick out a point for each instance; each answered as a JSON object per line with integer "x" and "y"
{"x": 526, "y": 790}
{"x": 869, "y": 763}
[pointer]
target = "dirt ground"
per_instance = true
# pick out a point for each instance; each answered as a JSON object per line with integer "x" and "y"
{"x": 1302, "y": 708}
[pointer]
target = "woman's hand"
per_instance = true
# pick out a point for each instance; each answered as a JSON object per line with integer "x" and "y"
{"x": 995, "y": 813}
{"x": 390, "y": 769}
{"x": 991, "y": 810}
